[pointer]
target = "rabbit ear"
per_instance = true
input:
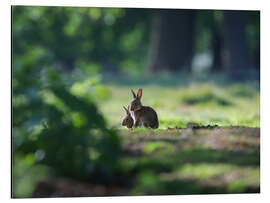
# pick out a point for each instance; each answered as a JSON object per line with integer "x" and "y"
{"x": 128, "y": 108}
{"x": 133, "y": 93}
{"x": 125, "y": 109}
{"x": 139, "y": 94}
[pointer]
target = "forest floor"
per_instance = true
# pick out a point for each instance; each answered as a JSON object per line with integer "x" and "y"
{"x": 208, "y": 141}
{"x": 194, "y": 160}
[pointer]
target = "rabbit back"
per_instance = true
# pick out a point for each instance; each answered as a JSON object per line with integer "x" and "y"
{"x": 147, "y": 117}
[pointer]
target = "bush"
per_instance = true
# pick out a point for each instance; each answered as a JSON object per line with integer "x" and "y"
{"x": 59, "y": 130}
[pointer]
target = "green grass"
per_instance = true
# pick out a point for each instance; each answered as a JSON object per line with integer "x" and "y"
{"x": 188, "y": 161}
{"x": 182, "y": 160}
{"x": 203, "y": 161}
{"x": 204, "y": 103}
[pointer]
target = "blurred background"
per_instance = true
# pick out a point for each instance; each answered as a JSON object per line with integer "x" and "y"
{"x": 72, "y": 71}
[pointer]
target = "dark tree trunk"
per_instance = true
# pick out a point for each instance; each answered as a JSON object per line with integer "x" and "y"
{"x": 236, "y": 59}
{"x": 172, "y": 44}
{"x": 216, "y": 45}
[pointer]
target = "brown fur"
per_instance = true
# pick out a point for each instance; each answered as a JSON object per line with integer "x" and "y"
{"x": 127, "y": 120}
{"x": 144, "y": 115}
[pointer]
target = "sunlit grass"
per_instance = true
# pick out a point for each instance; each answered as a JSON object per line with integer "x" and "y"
{"x": 204, "y": 170}
{"x": 202, "y": 103}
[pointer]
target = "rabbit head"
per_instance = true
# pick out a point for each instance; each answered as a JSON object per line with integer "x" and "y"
{"x": 136, "y": 102}
{"x": 128, "y": 120}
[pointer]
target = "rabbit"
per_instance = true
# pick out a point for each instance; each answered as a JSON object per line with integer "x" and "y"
{"x": 143, "y": 115}
{"x": 128, "y": 120}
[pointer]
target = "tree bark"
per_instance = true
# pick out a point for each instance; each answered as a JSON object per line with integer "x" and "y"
{"x": 236, "y": 59}
{"x": 216, "y": 45}
{"x": 172, "y": 41}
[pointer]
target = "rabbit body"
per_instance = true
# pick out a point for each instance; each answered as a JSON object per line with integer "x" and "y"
{"x": 128, "y": 120}
{"x": 146, "y": 116}
{"x": 143, "y": 115}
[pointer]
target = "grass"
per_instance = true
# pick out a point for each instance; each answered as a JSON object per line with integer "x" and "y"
{"x": 182, "y": 160}
{"x": 201, "y": 102}
{"x": 193, "y": 161}
{"x": 186, "y": 160}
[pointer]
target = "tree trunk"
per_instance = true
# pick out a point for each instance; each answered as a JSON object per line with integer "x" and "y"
{"x": 216, "y": 45}
{"x": 172, "y": 44}
{"x": 236, "y": 59}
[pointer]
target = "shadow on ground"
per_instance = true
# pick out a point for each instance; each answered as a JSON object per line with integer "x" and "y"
{"x": 177, "y": 161}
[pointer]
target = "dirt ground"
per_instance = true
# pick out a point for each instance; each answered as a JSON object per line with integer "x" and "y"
{"x": 194, "y": 160}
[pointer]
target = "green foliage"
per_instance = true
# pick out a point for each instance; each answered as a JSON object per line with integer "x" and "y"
{"x": 91, "y": 39}
{"x": 110, "y": 39}
{"x": 59, "y": 128}
{"x": 27, "y": 174}
{"x": 61, "y": 122}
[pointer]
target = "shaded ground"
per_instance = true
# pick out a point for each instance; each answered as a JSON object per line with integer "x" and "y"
{"x": 194, "y": 160}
